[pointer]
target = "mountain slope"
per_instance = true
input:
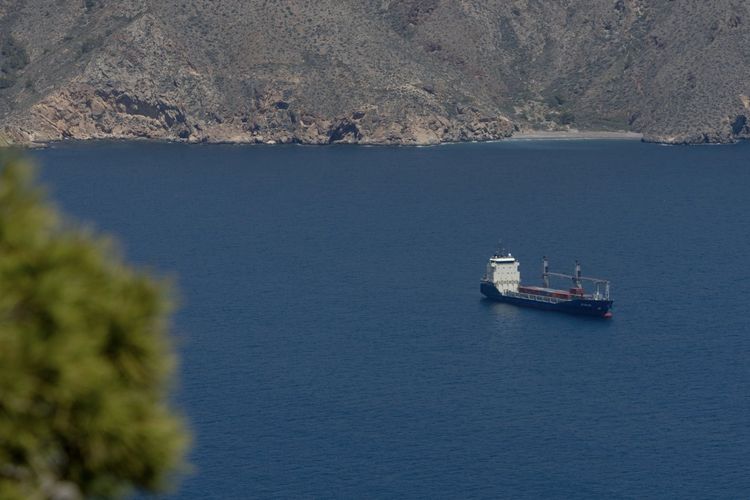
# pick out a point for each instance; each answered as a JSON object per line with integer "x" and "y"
{"x": 410, "y": 71}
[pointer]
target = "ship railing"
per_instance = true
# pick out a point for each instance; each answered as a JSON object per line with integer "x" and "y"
{"x": 538, "y": 298}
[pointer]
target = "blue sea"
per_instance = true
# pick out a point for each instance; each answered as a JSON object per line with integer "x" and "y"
{"x": 334, "y": 343}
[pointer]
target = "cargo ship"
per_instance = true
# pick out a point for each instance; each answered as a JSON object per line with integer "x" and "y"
{"x": 502, "y": 282}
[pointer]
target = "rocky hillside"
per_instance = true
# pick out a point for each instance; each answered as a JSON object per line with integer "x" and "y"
{"x": 378, "y": 71}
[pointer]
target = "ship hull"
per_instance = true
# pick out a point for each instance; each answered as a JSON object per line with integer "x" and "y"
{"x": 581, "y": 306}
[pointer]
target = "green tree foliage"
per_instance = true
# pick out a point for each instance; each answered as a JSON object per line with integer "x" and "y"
{"x": 85, "y": 360}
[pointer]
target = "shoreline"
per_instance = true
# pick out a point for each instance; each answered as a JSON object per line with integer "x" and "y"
{"x": 532, "y": 135}
{"x": 521, "y": 136}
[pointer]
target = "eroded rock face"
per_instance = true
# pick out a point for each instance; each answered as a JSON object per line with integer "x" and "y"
{"x": 729, "y": 130}
{"x": 85, "y": 112}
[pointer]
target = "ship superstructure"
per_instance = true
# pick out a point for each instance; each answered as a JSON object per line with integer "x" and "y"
{"x": 502, "y": 282}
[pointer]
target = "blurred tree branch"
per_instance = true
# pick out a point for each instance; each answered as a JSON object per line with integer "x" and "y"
{"x": 85, "y": 358}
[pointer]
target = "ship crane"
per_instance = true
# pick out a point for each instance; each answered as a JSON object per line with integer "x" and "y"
{"x": 577, "y": 279}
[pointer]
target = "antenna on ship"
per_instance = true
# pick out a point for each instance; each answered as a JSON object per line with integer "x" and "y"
{"x": 545, "y": 271}
{"x": 500, "y": 249}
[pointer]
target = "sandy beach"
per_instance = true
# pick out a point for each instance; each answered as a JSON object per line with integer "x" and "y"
{"x": 575, "y": 134}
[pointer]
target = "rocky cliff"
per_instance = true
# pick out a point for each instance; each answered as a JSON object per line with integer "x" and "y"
{"x": 379, "y": 71}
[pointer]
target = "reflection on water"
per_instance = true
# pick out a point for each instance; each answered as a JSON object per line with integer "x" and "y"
{"x": 504, "y": 313}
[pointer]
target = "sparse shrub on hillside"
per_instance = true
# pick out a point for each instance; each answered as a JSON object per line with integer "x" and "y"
{"x": 90, "y": 44}
{"x": 91, "y": 4}
{"x": 13, "y": 57}
{"x": 567, "y": 118}
{"x": 6, "y": 82}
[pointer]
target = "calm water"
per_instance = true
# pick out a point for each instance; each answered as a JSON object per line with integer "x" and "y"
{"x": 334, "y": 342}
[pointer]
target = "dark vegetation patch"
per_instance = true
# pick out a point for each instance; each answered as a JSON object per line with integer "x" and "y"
{"x": 567, "y": 118}
{"x": 90, "y": 5}
{"x": 90, "y": 44}
{"x": 13, "y": 58}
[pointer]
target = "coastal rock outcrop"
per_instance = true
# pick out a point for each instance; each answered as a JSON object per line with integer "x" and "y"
{"x": 84, "y": 112}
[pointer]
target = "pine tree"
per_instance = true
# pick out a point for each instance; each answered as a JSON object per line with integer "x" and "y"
{"x": 85, "y": 359}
